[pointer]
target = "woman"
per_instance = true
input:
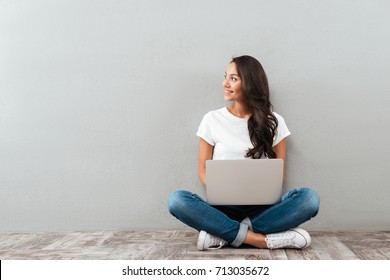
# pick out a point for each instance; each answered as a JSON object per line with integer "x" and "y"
{"x": 248, "y": 128}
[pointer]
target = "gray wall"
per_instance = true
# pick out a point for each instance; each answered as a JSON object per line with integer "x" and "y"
{"x": 100, "y": 102}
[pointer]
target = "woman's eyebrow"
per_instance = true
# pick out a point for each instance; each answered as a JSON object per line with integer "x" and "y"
{"x": 233, "y": 74}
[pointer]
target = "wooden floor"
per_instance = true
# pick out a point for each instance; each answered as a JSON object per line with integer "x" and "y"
{"x": 181, "y": 244}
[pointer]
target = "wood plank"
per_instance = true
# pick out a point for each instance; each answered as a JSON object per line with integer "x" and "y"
{"x": 369, "y": 254}
{"x": 278, "y": 254}
{"x": 385, "y": 252}
{"x": 329, "y": 247}
{"x": 305, "y": 254}
{"x": 181, "y": 244}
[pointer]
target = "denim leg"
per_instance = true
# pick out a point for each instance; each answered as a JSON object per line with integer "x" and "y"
{"x": 196, "y": 213}
{"x": 296, "y": 207}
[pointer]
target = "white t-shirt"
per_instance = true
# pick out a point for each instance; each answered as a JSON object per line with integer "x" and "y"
{"x": 230, "y": 135}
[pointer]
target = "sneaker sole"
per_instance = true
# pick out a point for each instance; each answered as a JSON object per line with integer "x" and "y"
{"x": 304, "y": 234}
{"x": 201, "y": 240}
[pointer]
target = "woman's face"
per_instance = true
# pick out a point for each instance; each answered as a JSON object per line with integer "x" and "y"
{"x": 232, "y": 84}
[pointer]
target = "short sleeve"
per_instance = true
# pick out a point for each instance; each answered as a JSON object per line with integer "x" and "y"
{"x": 205, "y": 131}
{"x": 282, "y": 130}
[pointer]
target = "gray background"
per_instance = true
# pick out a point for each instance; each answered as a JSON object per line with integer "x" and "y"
{"x": 100, "y": 102}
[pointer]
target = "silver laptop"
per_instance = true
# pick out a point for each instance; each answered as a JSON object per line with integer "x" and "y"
{"x": 244, "y": 181}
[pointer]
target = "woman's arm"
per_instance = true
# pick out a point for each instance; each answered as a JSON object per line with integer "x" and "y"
{"x": 280, "y": 150}
{"x": 205, "y": 153}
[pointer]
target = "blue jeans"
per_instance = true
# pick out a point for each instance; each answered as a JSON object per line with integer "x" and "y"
{"x": 231, "y": 223}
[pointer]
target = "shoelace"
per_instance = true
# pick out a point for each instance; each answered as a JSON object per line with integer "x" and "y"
{"x": 281, "y": 240}
{"x": 215, "y": 241}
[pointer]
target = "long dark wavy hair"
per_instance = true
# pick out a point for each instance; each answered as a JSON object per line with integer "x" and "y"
{"x": 262, "y": 124}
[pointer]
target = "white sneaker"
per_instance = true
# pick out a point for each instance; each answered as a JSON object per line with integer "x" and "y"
{"x": 209, "y": 242}
{"x": 295, "y": 238}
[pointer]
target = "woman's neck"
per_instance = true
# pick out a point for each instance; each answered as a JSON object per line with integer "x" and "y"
{"x": 239, "y": 110}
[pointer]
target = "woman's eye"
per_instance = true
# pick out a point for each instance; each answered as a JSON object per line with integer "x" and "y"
{"x": 234, "y": 79}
